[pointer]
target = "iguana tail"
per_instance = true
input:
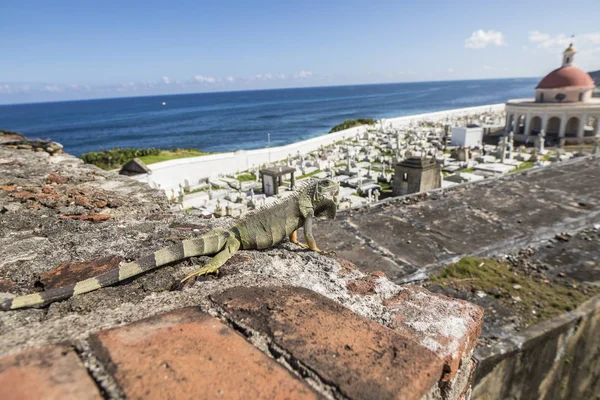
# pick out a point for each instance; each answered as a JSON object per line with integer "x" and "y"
{"x": 210, "y": 243}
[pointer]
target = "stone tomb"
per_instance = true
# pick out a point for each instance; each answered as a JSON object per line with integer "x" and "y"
{"x": 272, "y": 179}
{"x": 415, "y": 175}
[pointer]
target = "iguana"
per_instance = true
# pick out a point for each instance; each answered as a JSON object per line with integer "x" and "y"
{"x": 261, "y": 229}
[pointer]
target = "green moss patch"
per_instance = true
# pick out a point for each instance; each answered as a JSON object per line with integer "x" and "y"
{"x": 521, "y": 294}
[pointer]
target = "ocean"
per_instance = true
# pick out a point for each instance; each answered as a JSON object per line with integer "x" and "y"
{"x": 228, "y": 121}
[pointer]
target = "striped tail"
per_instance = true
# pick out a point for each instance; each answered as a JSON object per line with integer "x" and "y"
{"x": 210, "y": 243}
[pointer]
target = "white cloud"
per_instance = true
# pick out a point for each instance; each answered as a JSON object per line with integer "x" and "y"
{"x": 166, "y": 80}
{"x": 481, "y": 39}
{"x": 230, "y": 79}
{"x": 545, "y": 41}
{"x": 536, "y": 36}
{"x": 6, "y": 89}
{"x": 269, "y": 76}
{"x": 450, "y": 70}
{"x": 303, "y": 74}
{"x": 560, "y": 41}
{"x": 204, "y": 79}
{"x": 51, "y": 88}
{"x": 487, "y": 68}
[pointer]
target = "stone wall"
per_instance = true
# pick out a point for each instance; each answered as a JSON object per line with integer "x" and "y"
{"x": 278, "y": 323}
{"x": 556, "y": 359}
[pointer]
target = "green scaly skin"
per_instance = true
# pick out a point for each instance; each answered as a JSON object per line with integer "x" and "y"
{"x": 261, "y": 229}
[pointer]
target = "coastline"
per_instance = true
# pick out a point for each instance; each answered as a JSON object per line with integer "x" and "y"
{"x": 170, "y": 174}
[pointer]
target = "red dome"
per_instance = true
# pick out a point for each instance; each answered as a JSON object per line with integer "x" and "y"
{"x": 566, "y": 77}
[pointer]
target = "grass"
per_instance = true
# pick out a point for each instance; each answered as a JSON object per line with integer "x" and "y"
{"x": 468, "y": 170}
{"x": 498, "y": 279}
{"x": 309, "y": 174}
{"x": 523, "y": 166}
{"x": 204, "y": 189}
{"x": 246, "y": 177}
{"x": 165, "y": 155}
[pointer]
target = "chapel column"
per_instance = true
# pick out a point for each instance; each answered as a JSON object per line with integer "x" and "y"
{"x": 563, "y": 125}
{"x": 527, "y": 124}
{"x": 581, "y": 130}
{"x": 545, "y": 122}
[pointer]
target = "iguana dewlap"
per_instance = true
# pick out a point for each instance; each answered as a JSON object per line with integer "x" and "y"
{"x": 261, "y": 229}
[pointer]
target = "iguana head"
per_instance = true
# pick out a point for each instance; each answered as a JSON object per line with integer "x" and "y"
{"x": 325, "y": 198}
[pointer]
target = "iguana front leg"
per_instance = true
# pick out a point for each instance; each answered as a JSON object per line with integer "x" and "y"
{"x": 308, "y": 235}
{"x": 294, "y": 239}
{"x": 231, "y": 246}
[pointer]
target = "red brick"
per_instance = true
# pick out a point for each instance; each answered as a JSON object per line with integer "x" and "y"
{"x": 49, "y": 373}
{"x": 187, "y": 354}
{"x": 363, "y": 286}
{"x": 69, "y": 273}
{"x": 55, "y": 178}
{"x": 448, "y": 326}
{"x": 23, "y": 195}
{"x": 359, "y": 357}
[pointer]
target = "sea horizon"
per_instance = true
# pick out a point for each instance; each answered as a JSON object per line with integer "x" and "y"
{"x": 235, "y": 120}
{"x": 261, "y": 90}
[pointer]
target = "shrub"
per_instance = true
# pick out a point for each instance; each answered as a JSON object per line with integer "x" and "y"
{"x": 350, "y": 123}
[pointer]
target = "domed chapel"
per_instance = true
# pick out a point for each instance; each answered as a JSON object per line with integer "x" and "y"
{"x": 563, "y": 106}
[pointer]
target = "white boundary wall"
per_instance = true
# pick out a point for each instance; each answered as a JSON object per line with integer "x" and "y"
{"x": 170, "y": 174}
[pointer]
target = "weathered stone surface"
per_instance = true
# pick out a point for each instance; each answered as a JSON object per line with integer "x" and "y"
{"x": 409, "y": 237}
{"x": 187, "y": 354}
{"x": 49, "y": 373}
{"x": 89, "y": 217}
{"x": 365, "y": 285}
{"x": 70, "y": 273}
{"x": 361, "y": 358}
{"x": 448, "y": 327}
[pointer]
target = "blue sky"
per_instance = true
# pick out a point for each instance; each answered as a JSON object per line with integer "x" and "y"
{"x": 63, "y": 50}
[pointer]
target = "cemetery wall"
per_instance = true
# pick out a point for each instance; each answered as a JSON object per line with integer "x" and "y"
{"x": 556, "y": 359}
{"x": 170, "y": 174}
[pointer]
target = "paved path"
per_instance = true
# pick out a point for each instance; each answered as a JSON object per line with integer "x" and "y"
{"x": 410, "y": 236}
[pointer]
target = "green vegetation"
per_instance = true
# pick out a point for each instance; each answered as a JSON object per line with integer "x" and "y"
{"x": 309, "y": 174}
{"x": 467, "y": 170}
{"x": 511, "y": 288}
{"x": 246, "y": 177}
{"x": 351, "y": 123}
{"x": 117, "y": 157}
{"x": 114, "y": 158}
{"x": 165, "y": 155}
{"x": 523, "y": 166}
{"x": 204, "y": 189}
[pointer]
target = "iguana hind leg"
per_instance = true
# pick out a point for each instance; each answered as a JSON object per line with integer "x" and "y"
{"x": 231, "y": 246}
